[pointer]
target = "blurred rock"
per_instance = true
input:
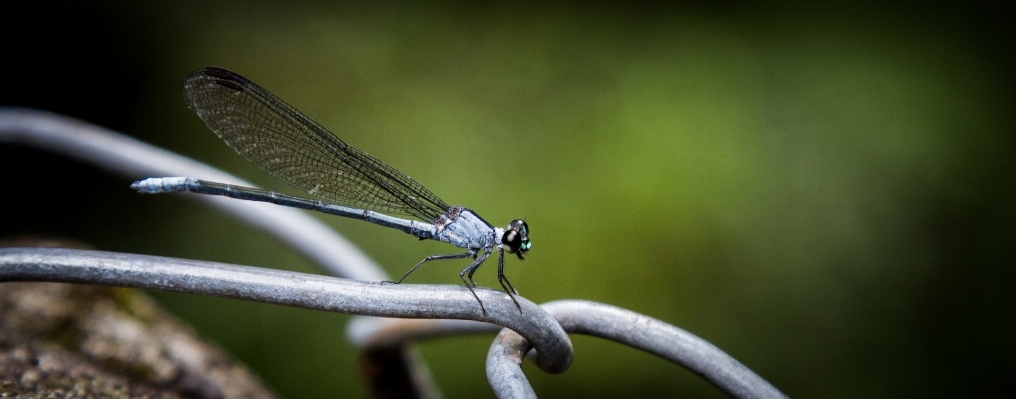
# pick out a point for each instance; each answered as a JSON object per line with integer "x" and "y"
{"x": 64, "y": 340}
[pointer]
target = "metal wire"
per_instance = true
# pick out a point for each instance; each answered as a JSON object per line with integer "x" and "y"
{"x": 579, "y": 317}
{"x": 370, "y": 332}
{"x": 134, "y": 159}
{"x": 287, "y": 288}
{"x": 633, "y": 329}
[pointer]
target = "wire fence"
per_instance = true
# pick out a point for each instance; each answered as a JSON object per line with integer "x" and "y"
{"x": 391, "y": 317}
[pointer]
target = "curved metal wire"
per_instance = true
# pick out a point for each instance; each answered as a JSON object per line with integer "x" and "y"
{"x": 578, "y": 317}
{"x": 133, "y": 159}
{"x": 633, "y": 329}
{"x": 287, "y": 288}
{"x": 369, "y": 332}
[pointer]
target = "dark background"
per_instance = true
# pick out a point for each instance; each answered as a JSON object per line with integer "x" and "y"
{"x": 823, "y": 191}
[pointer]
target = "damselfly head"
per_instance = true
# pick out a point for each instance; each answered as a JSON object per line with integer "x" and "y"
{"x": 516, "y": 238}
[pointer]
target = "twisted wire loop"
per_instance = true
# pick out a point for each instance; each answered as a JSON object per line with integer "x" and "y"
{"x": 633, "y": 329}
{"x": 579, "y": 317}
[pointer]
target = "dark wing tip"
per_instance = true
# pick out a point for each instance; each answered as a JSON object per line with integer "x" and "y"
{"x": 221, "y": 76}
{"x": 217, "y": 72}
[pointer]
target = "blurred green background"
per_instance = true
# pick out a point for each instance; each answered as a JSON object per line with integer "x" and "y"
{"x": 823, "y": 191}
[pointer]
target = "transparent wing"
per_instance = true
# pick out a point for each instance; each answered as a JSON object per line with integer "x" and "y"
{"x": 287, "y": 144}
